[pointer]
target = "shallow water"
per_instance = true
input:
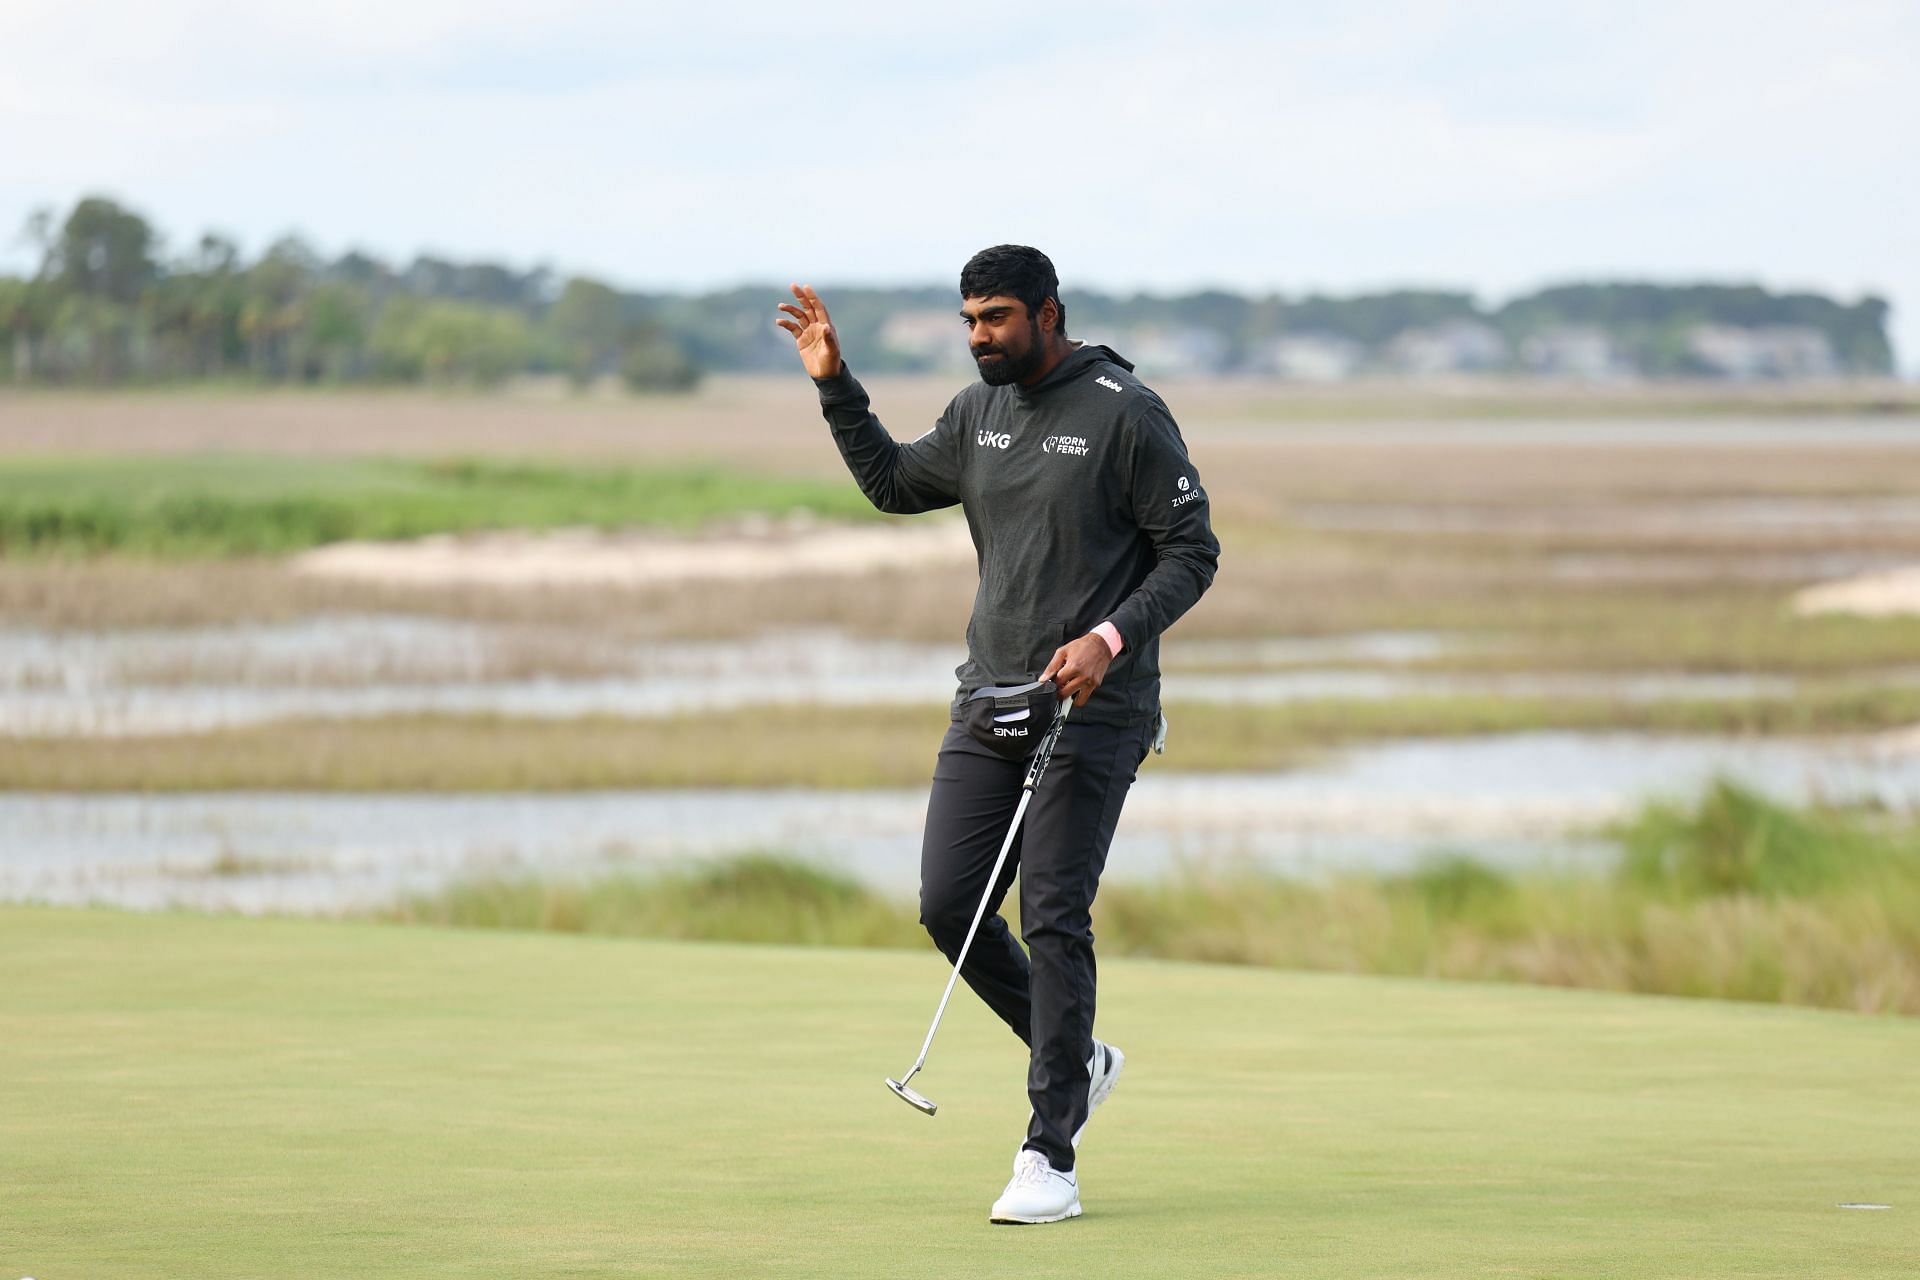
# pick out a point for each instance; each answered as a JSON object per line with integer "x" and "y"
{"x": 1789, "y": 568}
{"x": 148, "y": 682}
{"x": 1515, "y": 800}
{"x": 1721, "y": 431}
{"x": 36, "y": 713}
{"x": 1853, "y": 514}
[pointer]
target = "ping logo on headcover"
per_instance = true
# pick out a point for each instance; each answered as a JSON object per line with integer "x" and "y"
{"x": 1000, "y": 731}
{"x": 1109, "y": 383}
{"x": 993, "y": 439}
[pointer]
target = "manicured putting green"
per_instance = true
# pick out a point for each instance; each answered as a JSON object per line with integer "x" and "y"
{"x": 222, "y": 1098}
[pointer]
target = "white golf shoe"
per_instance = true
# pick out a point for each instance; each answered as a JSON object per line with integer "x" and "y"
{"x": 1038, "y": 1192}
{"x": 1103, "y": 1071}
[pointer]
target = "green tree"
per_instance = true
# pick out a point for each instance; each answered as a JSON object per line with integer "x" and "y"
{"x": 29, "y": 308}
{"x": 273, "y": 310}
{"x": 467, "y": 342}
{"x": 390, "y": 345}
{"x": 17, "y": 317}
{"x": 449, "y": 342}
{"x": 89, "y": 338}
{"x": 585, "y": 328}
{"x": 337, "y": 328}
{"x": 104, "y": 251}
{"x": 218, "y": 292}
{"x": 655, "y": 362}
{"x": 168, "y": 306}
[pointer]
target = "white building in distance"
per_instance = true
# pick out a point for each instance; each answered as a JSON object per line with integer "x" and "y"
{"x": 1777, "y": 351}
{"x": 1307, "y": 357}
{"x": 1452, "y": 346}
{"x": 1574, "y": 351}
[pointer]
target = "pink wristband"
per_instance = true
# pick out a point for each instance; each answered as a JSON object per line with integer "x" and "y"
{"x": 1111, "y": 634}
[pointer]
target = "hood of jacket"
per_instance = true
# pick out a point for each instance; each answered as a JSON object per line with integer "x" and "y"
{"x": 1081, "y": 360}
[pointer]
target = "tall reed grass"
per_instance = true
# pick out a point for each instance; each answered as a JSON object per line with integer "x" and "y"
{"x": 1732, "y": 896}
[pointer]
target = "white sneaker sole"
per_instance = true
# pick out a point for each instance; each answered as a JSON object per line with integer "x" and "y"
{"x": 1101, "y": 1093}
{"x": 1007, "y": 1220}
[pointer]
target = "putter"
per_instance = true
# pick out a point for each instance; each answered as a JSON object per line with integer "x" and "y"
{"x": 1042, "y": 754}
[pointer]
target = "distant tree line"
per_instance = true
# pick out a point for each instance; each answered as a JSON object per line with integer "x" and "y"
{"x": 1642, "y": 330}
{"x": 106, "y": 305}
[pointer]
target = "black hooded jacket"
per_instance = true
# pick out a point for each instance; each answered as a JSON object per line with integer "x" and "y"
{"x": 1084, "y": 509}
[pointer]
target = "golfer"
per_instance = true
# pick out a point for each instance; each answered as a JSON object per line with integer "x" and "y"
{"x": 1092, "y": 534}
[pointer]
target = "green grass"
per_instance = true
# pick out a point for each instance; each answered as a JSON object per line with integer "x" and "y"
{"x": 1702, "y": 628}
{"x": 225, "y": 505}
{"x": 1218, "y": 736}
{"x": 241, "y": 1098}
{"x": 755, "y": 897}
{"x": 1732, "y": 896}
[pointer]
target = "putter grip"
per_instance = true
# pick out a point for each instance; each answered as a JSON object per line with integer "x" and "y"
{"x": 1044, "y": 753}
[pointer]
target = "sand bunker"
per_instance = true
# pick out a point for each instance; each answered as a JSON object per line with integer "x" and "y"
{"x": 1877, "y": 595}
{"x": 592, "y": 557}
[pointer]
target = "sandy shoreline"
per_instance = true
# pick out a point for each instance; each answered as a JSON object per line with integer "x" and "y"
{"x": 1874, "y": 595}
{"x": 591, "y": 557}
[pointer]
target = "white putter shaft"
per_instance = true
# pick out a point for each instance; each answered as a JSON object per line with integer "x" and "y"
{"x": 1042, "y": 756}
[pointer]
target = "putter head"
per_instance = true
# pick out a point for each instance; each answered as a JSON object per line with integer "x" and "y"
{"x": 911, "y": 1098}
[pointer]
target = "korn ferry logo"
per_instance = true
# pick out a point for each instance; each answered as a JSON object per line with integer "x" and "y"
{"x": 1076, "y": 446}
{"x": 993, "y": 439}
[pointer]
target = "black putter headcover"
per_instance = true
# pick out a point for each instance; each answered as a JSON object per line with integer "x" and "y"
{"x": 1011, "y": 719}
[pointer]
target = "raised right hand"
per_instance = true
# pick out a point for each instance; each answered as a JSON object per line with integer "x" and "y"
{"x": 812, "y": 330}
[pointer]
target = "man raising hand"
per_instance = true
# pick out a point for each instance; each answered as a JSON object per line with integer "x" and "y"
{"x": 1093, "y": 536}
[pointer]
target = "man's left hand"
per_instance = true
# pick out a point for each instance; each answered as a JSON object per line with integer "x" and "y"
{"x": 1078, "y": 667}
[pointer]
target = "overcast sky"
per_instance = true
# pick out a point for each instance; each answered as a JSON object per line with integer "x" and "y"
{"x": 1493, "y": 145}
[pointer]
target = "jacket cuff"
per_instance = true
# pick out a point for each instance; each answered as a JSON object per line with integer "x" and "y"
{"x": 840, "y": 388}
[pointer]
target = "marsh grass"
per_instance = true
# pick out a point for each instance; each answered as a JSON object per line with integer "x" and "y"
{"x": 770, "y": 746}
{"x": 873, "y": 746}
{"x": 232, "y": 862}
{"x": 1275, "y": 580}
{"x": 927, "y": 604}
{"x": 182, "y": 506}
{"x": 755, "y": 897}
{"x": 1698, "y": 630}
{"x": 1733, "y": 897}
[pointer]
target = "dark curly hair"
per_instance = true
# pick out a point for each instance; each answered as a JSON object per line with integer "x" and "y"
{"x": 1014, "y": 271}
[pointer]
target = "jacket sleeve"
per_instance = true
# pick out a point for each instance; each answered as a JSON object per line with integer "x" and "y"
{"x": 1170, "y": 507}
{"x": 898, "y": 478}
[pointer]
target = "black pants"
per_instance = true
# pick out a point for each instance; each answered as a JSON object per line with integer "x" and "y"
{"x": 1059, "y": 854}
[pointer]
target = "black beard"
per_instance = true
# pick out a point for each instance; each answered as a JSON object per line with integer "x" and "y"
{"x": 999, "y": 369}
